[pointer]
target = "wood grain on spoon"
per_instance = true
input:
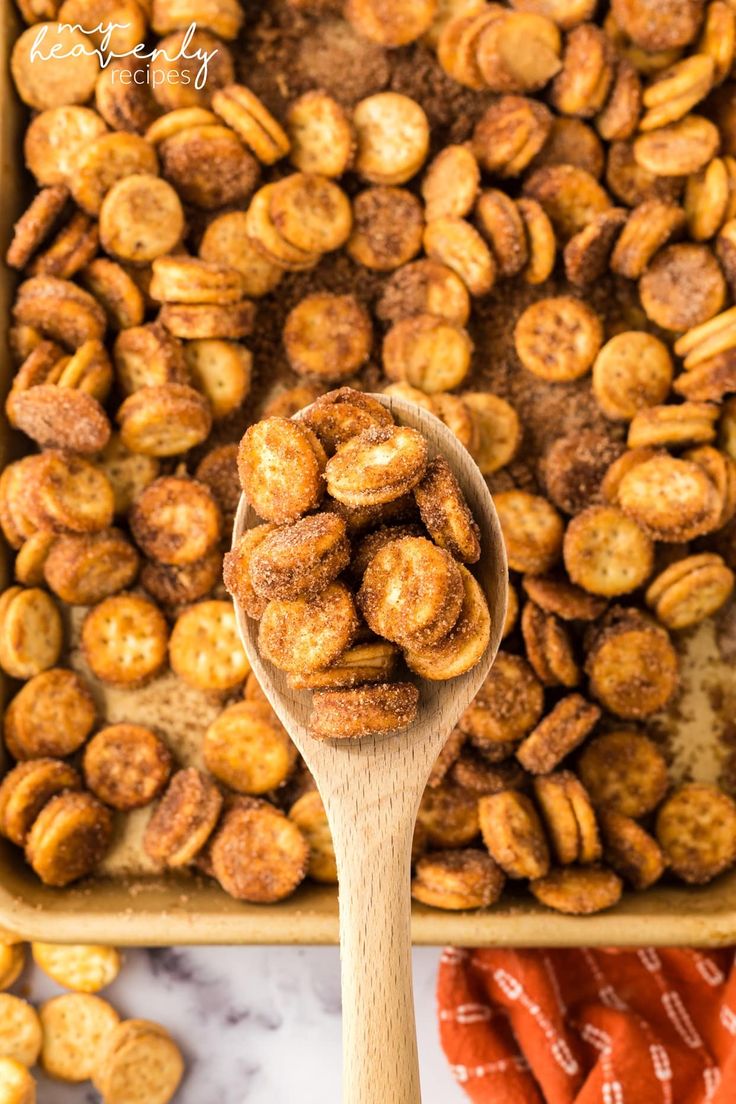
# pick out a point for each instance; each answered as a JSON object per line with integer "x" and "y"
{"x": 371, "y": 790}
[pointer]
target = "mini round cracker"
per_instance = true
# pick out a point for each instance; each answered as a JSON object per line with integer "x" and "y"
{"x": 574, "y": 467}
{"x": 387, "y": 228}
{"x": 31, "y": 632}
{"x": 262, "y": 230}
{"x": 532, "y": 531}
{"x": 103, "y": 162}
{"x": 570, "y": 196}
{"x": 584, "y": 81}
{"x": 183, "y": 820}
{"x": 557, "y": 734}
{"x": 308, "y": 813}
{"x": 164, "y": 420}
{"x": 513, "y": 834}
{"x": 377, "y": 466}
{"x": 632, "y": 665}
{"x": 457, "y": 244}
{"x": 451, "y": 183}
{"x": 257, "y": 853}
{"x": 182, "y": 279}
{"x": 281, "y": 466}
{"x": 392, "y": 135}
{"x": 237, "y": 570}
{"x": 457, "y": 416}
{"x": 558, "y": 339}
{"x": 126, "y": 766}
{"x": 84, "y": 967}
{"x": 148, "y": 356}
{"x": 683, "y": 287}
{"x": 519, "y": 52}
{"x": 218, "y": 470}
{"x": 140, "y": 1061}
{"x": 57, "y": 417}
{"x": 311, "y": 212}
{"x": 500, "y": 221}
{"x": 620, "y": 116}
{"x": 73, "y": 245}
{"x": 541, "y": 241}
{"x": 205, "y": 648}
{"x": 20, "y": 1030}
{"x": 16, "y": 1083}
{"x": 26, "y": 789}
{"x": 390, "y": 27}
{"x": 464, "y": 645}
{"x": 128, "y": 473}
{"x": 61, "y": 311}
{"x": 606, "y": 552}
{"x": 499, "y": 430}
{"x": 320, "y": 134}
{"x": 690, "y": 590}
{"x": 241, "y": 110}
{"x": 176, "y": 520}
{"x": 52, "y": 64}
{"x": 226, "y": 242}
{"x": 176, "y": 586}
{"x": 342, "y": 414}
{"x": 302, "y": 635}
{"x": 357, "y": 666}
{"x": 75, "y": 1027}
{"x": 507, "y": 706}
{"x": 557, "y": 595}
{"x": 457, "y": 45}
{"x": 424, "y": 287}
{"x": 327, "y": 336}
{"x": 649, "y": 227}
{"x": 630, "y": 850}
{"x": 141, "y": 218}
{"x": 51, "y": 715}
{"x": 672, "y": 499}
{"x": 678, "y": 149}
{"x": 35, "y": 224}
{"x": 549, "y": 647}
{"x": 124, "y": 640}
{"x": 55, "y": 138}
{"x": 89, "y": 371}
{"x": 688, "y": 423}
{"x": 12, "y": 961}
{"x": 84, "y": 568}
{"x": 68, "y": 838}
{"x": 248, "y": 749}
{"x": 510, "y": 133}
{"x": 412, "y": 592}
{"x": 130, "y": 107}
{"x": 445, "y": 512}
{"x": 707, "y": 199}
{"x": 293, "y": 561}
{"x": 448, "y": 815}
{"x": 588, "y": 253}
{"x": 457, "y": 880}
{"x": 696, "y": 829}
{"x": 363, "y": 711}
{"x": 578, "y": 891}
{"x": 632, "y": 371}
{"x": 427, "y": 352}
{"x": 625, "y": 771}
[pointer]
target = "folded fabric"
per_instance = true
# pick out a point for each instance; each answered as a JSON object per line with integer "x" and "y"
{"x": 590, "y": 1025}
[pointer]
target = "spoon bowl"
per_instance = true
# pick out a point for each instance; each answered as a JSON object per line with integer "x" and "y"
{"x": 371, "y": 789}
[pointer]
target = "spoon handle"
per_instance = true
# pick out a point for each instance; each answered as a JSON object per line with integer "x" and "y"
{"x": 380, "y": 1064}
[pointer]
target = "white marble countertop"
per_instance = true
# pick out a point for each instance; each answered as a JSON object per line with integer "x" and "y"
{"x": 258, "y": 1025}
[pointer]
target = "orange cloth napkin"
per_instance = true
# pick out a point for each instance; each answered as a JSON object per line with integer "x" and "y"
{"x": 584, "y": 1026}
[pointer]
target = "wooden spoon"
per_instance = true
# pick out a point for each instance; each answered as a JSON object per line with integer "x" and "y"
{"x": 371, "y": 789}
